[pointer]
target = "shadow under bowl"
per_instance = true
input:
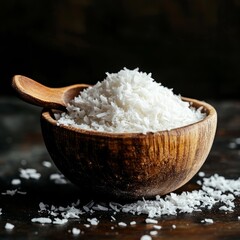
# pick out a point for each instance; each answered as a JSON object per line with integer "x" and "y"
{"x": 130, "y": 165}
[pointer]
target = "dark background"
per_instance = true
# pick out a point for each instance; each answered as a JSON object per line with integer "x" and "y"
{"x": 192, "y": 46}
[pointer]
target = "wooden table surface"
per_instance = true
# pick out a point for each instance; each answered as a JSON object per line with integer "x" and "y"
{"x": 21, "y": 146}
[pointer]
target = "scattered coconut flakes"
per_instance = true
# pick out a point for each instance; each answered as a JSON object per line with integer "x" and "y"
{"x": 174, "y": 226}
{"x": 207, "y": 220}
{"x": 152, "y": 221}
{"x": 122, "y": 224}
{"x": 58, "y": 178}
{"x": 41, "y": 220}
{"x": 93, "y": 221}
{"x": 115, "y": 206}
{"x": 112, "y": 227}
{"x": 60, "y": 221}
{"x": 21, "y": 192}
{"x": 128, "y": 101}
{"x": 87, "y": 225}
{"x": 214, "y": 190}
{"x": 10, "y": 192}
{"x": 9, "y": 226}
{"x": 153, "y": 233}
{"x": 0, "y": 211}
{"x": 133, "y": 223}
{"x": 47, "y": 164}
{"x": 72, "y": 212}
{"x": 29, "y": 173}
{"x": 225, "y": 208}
{"x": 16, "y": 181}
{"x": 99, "y": 207}
{"x": 43, "y": 207}
{"x": 113, "y": 218}
{"x": 238, "y": 217}
{"x": 146, "y": 237}
{"x": 13, "y": 192}
{"x": 76, "y": 231}
{"x": 157, "y": 227}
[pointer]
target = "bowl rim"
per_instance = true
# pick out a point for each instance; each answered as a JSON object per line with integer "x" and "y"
{"x": 46, "y": 115}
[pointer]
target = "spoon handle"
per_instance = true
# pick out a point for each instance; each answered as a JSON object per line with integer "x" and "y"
{"x": 43, "y": 96}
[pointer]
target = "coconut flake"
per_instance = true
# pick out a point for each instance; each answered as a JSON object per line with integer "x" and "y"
{"x": 152, "y": 221}
{"x": 207, "y": 220}
{"x": 9, "y": 226}
{"x": 146, "y": 237}
{"x": 16, "y": 181}
{"x": 60, "y": 221}
{"x": 29, "y": 173}
{"x": 76, "y": 231}
{"x": 93, "y": 221}
{"x": 47, "y": 164}
{"x": 41, "y": 220}
{"x": 153, "y": 233}
{"x": 122, "y": 224}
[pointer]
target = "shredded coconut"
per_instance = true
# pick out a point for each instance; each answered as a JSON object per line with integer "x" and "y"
{"x": 47, "y": 164}
{"x": 213, "y": 190}
{"x": 29, "y": 173}
{"x": 146, "y": 237}
{"x": 58, "y": 178}
{"x": 9, "y": 226}
{"x": 152, "y": 221}
{"x": 133, "y": 223}
{"x": 153, "y": 233}
{"x": 42, "y": 220}
{"x": 76, "y": 231}
{"x": 207, "y": 220}
{"x": 93, "y": 221}
{"x": 122, "y": 224}
{"x": 13, "y": 192}
{"x": 60, "y": 221}
{"x": 129, "y": 101}
{"x": 16, "y": 181}
{"x": 157, "y": 227}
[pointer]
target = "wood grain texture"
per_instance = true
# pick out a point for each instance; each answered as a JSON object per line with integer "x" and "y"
{"x": 35, "y": 93}
{"x": 130, "y": 166}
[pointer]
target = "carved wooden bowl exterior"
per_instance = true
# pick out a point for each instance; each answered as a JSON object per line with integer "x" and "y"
{"x": 130, "y": 165}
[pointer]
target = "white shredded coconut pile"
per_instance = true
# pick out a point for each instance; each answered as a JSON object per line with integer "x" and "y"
{"x": 128, "y": 101}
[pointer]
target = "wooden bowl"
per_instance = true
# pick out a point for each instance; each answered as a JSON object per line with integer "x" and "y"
{"x": 130, "y": 165}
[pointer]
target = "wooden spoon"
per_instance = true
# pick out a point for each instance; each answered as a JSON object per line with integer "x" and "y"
{"x": 40, "y": 95}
